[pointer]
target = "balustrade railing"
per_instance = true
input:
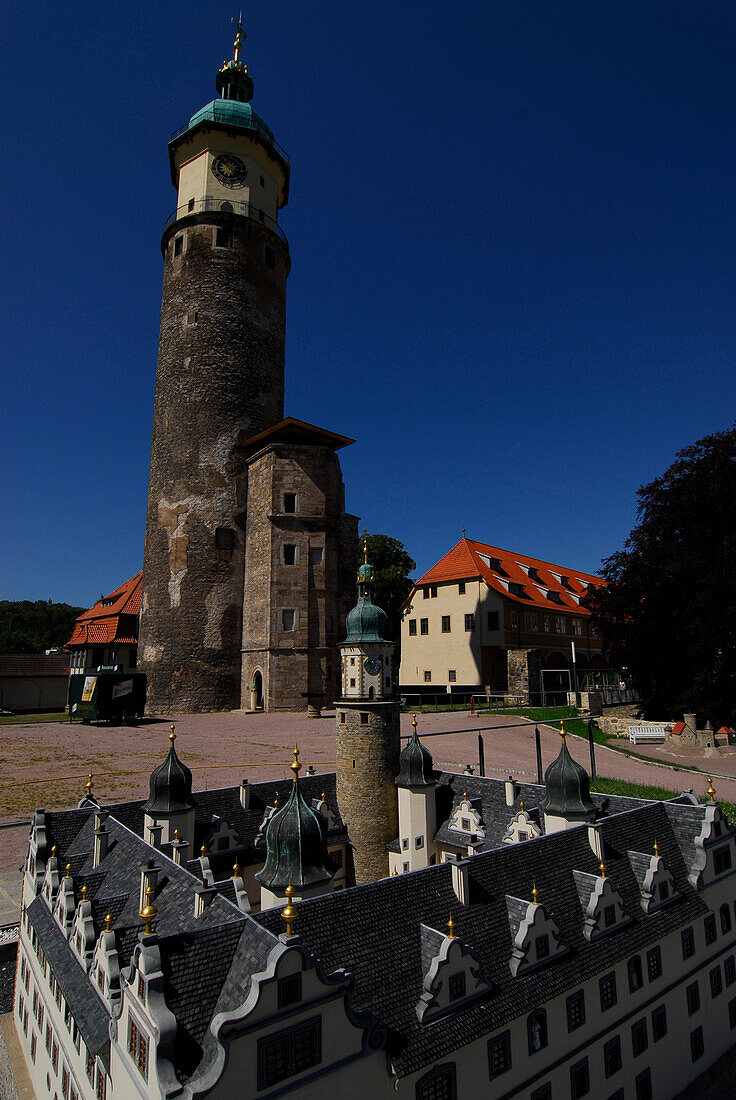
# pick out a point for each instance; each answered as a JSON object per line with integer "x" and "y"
{"x": 226, "y": 206}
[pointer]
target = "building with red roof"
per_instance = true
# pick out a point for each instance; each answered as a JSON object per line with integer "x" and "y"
{"x": 107, "y": 634}
{"x": 487, "y": 619}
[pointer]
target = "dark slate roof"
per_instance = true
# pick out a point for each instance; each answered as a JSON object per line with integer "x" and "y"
{"x": 374, "y": 931}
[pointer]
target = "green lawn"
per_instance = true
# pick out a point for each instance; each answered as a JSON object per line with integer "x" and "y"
{"x": 643, "y": 790}
{"x": 27, "y": 719}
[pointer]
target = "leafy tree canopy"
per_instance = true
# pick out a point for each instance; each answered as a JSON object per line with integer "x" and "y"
{"x": 392, "y": 567}
{"x": 34, "y": 626}
{"x": 668, "y": 614}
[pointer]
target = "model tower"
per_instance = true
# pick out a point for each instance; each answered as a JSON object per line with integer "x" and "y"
{"x": 367, "y": 736}
{"x": 219, "y": 381}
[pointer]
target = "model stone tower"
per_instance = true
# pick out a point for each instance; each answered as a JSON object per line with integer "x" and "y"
{"x": 220, "y": 380}
{"x": 367, "y": 738}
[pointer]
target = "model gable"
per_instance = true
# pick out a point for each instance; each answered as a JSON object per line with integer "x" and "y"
{"x": 603, "y": 907}
{"x": 536, "y": 936}
{"x": 452, "y": 975}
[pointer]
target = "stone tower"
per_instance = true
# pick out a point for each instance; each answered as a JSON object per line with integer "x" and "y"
{"x": 219, "y": 381}
{"x": 367, "y": 735}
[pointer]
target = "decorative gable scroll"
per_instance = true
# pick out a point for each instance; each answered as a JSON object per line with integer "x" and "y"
{"x": 705, "y": 838}
{"x": 521, "y": 827}
{"x": 466, "y": 818}
{"x": 656, "y": 885}
{"x": 603, "y": 906}
{"x": 452, "y": 975}
{"x": 536, "y": 936}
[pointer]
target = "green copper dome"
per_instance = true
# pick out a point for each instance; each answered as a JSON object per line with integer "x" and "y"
{"x": 232, "y": 113}
{"x": 567, "y": 788}
{"x": 366, "y": 622}
{"x": 296, "y": 843}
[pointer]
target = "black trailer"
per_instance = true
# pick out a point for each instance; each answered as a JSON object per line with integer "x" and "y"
{"x": 115, "y": 697}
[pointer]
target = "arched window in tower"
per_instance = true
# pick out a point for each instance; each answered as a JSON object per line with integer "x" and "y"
{"x": 226, "y": 207}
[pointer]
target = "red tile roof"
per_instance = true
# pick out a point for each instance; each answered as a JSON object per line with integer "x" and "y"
{"x": 501, "y": 569}
{"x": 34, "y": 664}
{"x": 113, "y": 618}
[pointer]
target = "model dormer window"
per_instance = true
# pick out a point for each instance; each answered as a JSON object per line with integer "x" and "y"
{"x": 516, "y": 589}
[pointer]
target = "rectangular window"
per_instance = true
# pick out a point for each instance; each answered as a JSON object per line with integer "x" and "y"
{"x": 315, "y": 555}
{"x": 419, "y": 842}
{"x": 48, "y": 1038}
{"x": 561, "y": 624}
{"x": 659, "y": 1023}
{"x": 425, "y": 593}
{"x": 55, "y": 1057}
{"x": 608, "y": 991}
{"x": 575, "y": 1010}
{"x": 223, "y": 237}
{"x": 499, "y": 1054}
{"x": 725, "y": 919}
{"x": 609, "y": 916}
{"x": 270, "y": 257}
{"x": 412, "y": 627}
{"x": 541, "y": 947}
{"x": 636, "y": 975}
{"x": 709, "y": 926}
{"x": 687, "y": 936}
{"x": 138, "y": 1048}
{"x": 514, "y": 620}
{"x": 493, "y": 620}
{"x": 34, "y": 1045}
{"x": 579, "y": 1079}
{"x": 461, "y": 588}
{"x": 424, "y": 626}
{"x": 531, "y": 621}
{"x": 452, "y": 675}
{"x": 178, "y": 246}
{"x": 289, "y": 1052}
{"x": 65, "y": 1082}
{"x": 729, "y": 970}
{"x": 544, "y": 1092}
{"x": 90, "y": 1067}
{"x": 445, "y": 624}
{"x": 427, "y": 676}
{"x": 289, "y": 503}
{"x": 288, "y": 618}
{"x": 654, "y": 964}
{"x": 289, "y": 990}
{"x": 470, "y": 622}
{"x": 716, "y": 982}
{"x": 732, "y": 1014}
{"x": 100, "y": 1084}
{"x": 289, "y": 553}
{"x": 434, "y": 592}
{"x": 577, "y": 628}
{"x": 692, "y": 995}
{"x": 643, "y": 1085}
{"x": 457, "y": 986}
{"x": 722, "y": 860}
{"x": 438, "y": 1084}
{"x": 697, "y": 1046}
{"x": 639, "y": 1037}
{"x": 612, "y": 1056}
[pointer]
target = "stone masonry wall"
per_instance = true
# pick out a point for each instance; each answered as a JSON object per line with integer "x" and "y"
{"x": 220, "y": 374}
{"x": 367, "y": 765}
{"x": 524, "y": 671}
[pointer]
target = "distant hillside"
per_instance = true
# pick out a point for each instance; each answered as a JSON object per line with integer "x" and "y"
{"x": 34, "y": 626}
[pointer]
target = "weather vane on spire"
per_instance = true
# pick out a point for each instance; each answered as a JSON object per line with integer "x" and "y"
{"x": 240, "y": 37}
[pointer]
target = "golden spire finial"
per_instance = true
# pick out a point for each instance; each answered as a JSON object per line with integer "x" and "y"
{"x": 276, "y": 802}
{"x": 172, "y": 735}
{"x": 68, "y": 871}
{"x": 88, "y": 785}
{"x": 365, "y": 547}
{"x": 451, "y": 928}
{"x": 656, "y": 847}
{"x": 711, "y": 790}
{"x": 323, "y": 796}
{"x": 289, "y": 912}
{"x": 177, "y": 838}
{"x": 236, "y": 869}
{"x": 295, "y": 766}
{"x": 394, "y": 872}
{"x": 148, "y": 912}
{"x": 535, "y": 894}
{"x": 465, "y": 796}
{"x": 108, "y": 920}
{"x": 203, "y": 851}
{"x": 521, "y": 805}
{"x": 53, "y": 851}
{"x": 414, "y": 724}
{"x": 240, "y": 37}
{"x": 602, "y": 869}
{"x": 84, "y": 891}
{"x": 563, "y": 735}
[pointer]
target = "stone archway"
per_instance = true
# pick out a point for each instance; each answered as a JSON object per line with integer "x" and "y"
{"x": 256, "y": 691}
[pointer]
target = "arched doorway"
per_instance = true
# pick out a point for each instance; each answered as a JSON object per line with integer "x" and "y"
{"x": 256, "y": 691}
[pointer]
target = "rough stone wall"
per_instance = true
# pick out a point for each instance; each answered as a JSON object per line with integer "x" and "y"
{"x": 303, "y": 660}
{"x": 220, "y": 374}
{"x": 524, "y": 671}
{"x": 367, "y": 765}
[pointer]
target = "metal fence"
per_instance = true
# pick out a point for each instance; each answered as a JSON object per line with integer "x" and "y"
{"x": 210, "y": 204}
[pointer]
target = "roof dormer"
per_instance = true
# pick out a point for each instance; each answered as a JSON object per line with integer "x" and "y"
{"x": 657, "y": 886}
{"x": 452, "y": 974}
{"x": 602, "y": 904}
{"x": 536, "y": 937}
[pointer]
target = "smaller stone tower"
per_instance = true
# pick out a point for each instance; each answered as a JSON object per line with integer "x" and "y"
{"x": 567, "y": 800}
{"x": 367, "y": 738}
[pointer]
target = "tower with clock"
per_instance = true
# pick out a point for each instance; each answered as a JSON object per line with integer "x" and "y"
{"x": 367, "y": 733}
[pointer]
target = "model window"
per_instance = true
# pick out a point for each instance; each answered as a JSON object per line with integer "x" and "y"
{"x": 575, "y": 1010}
{"x": 697, "y": 1046}
{"x": 643, "y": 1083}
{"x": 692, "y": 995}
{"x": 716, "y": 981}
{"x": 612, "y": 1056}
{"x": 664, "y": 891}
{"x": 499, "y": 1054}
{"x": 223, "y": 237}
{"x": 636, "y": 977}
{"x": 445, "y": 624}
{"x": 470, "y": 622}
{"x": 609, "y": 916}
{"x": 561, "y": 624}
{"x": 654, "y": 964}
{"x": 608, "y": 991}
{"x": 687, "y": 937}
{"x": 457, "y": 987}
{"x": 315, "y": 555}
{"x": 412, "y": 627}
{"x": 439, "y": 1084}
{"x": 290, "y": 503}
{"x": 433, "y": 591}
{"x": 405, "y": 867}
{"x": 427, "y": 676}
{"x": 725, "y": 919}
{"x": 544, "y": 1092}
{"x": 536, "y": 1029}
{"x": 178, "y": 246}
{"x": 659, "y": 1023}
{"x": 579, "y": 1079}
{"x": 493, "y": 620}
{"x": 639, "y": 1038}
{"x": 289, "y": 1052}
{"x": 364, "y": 719}
{"x": 424, "y": 626}
{"x": 709, "y": 926}
{"x": 419, "y": 842}
{"x": 452, "y": 675}
{"x": 541, "y": 946}
{"x": 721, "y": 860}
{"x": 732, "y": 1014}
{"x": 138, "y": 1047}
{"x": 289, "y": 990}
{"x": 514, "y": 620}
{"x": 461, "y": 588}
{"x": 224, "y": 543}
{"x": 729, "y": 970}
{"x": 425, "y": 593}
{"x": 288, "y": 618}
{"x": 289, "y": 553}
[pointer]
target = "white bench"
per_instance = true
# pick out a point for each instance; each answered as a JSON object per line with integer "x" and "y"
{"x": 654, "y": 732}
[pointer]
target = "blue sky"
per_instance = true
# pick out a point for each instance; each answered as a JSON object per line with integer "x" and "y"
{"x": 513, "y": 270}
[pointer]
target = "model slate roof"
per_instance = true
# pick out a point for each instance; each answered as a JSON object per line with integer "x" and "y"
{"x": 374, "y": 931}
{"x": 501, "y": 569}
{"x": 114, "y": 618}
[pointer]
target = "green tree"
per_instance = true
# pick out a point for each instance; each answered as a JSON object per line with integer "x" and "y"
{"x": 34, "y": 626}
{"x": 392, "y": 567}
{"x": 668, "y": 613}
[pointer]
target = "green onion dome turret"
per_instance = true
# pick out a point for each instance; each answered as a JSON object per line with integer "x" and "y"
{"x": 170, "y": 785}
{"x": 415, "y": 763}
{"x": 366, "y": 622}
{"x": 567, "y": 787}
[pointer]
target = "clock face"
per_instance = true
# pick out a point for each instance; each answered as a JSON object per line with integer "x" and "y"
{"x": 229, "y": 170}
{"x": 372, "y": 665}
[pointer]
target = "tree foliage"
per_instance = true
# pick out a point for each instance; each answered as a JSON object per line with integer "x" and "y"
{"x": 668, "y": 614}
{"x": 34, "y": 626}
{"x": 392, "y": 567}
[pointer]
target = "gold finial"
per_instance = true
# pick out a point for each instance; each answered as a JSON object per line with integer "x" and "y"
{"x": 53, "y": 851}
{"x": 414, "y": 724}
{"x": 236, "y": 869}
{"x": 365, "y": 547}
{"x": 172, "y": 735}
{"x": 239, "y": 37}
{"x": 535, "y": 894}
{"x": 295, "y": 766}
{"x": 108, "y": 920}
{"x": 394, "y": 872}
{"x": 563, "y": 735}
{"x": 177, "y": 838}
{"x": 88, "y": 785}
{"x": 451, "y": 928}
{"x": 711, "y": 790}
{"x": 276, "y": 802}
{"x": 289, "y": 912}
{"x": 148, "y": 912}
{"x": 323, "y": 796}
{"x": 602, "y": 869}
{"x": 656, "y": 847}
{"x": 521, "y": 805}
{"x": 465, "y": 796}
{"x": 84, "y": 891}
{"x": 68, "y": 871}
{"x": 203, "y": 851}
